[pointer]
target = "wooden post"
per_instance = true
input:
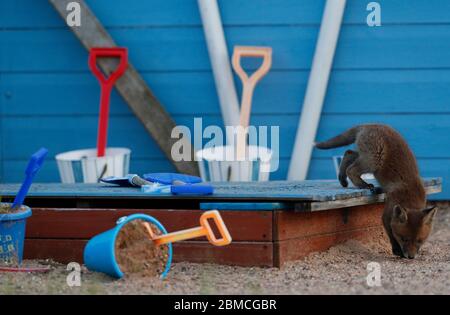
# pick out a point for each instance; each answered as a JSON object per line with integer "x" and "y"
{"x": 131, "y": 85}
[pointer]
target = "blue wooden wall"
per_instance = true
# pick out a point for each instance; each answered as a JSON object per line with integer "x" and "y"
{"x": 398, "y": 74}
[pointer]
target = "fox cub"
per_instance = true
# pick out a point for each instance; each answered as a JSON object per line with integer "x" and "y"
{"x": 383, "y": 152}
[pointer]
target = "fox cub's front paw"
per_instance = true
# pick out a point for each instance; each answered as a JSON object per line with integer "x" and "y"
{"x": 372, "y": 188}
{"x": 397, "y": 251}
{"x": 343, "y": 180}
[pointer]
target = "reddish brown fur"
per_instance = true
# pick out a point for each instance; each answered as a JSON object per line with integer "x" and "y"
{"x": 383, "y": 152}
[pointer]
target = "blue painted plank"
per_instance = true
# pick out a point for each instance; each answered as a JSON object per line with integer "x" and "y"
{"x": 426, "y": 134}
{"x": 32, "y": 13}
{"x": 14, "y": 170}
{"x": 310, "y": 190}
{"x": 1, "y": 124}
{"x": 438, "y": 168}
{"x": 54, "y": 132}
{"x": 356, "y": 91}
{"x": 250, "y": 206}
{"x": 319, "y": 169}
{"x": 393, "y": 47}
{"x": 152, "y": 28}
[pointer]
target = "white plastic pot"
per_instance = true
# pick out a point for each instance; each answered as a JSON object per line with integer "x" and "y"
{"x": 220, "y": 164}
{"x": 83, "y": 166}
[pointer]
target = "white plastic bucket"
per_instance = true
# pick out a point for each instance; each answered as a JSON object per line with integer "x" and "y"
{"x": 220, "y": 164}
{"x": 83, "y": 166}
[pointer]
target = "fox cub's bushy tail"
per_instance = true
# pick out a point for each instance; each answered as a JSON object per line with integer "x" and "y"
{"x": 346, "y": 138}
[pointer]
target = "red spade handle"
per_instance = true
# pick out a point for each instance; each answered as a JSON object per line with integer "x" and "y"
{"x": 106, "y": 87}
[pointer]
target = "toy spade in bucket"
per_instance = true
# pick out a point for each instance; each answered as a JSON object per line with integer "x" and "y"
{"x": 249, "y": 84}
{"x": 106, "y": 84}
{"x": 12, "y": 223}
{"x": 34, "y": 165}
{"x": 241, "y": 162}
{"x": 90, "y": 165}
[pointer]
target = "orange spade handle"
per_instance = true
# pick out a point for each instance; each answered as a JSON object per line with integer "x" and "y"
{"x": 248, "y": 84}
{"x": 203, "y": 230}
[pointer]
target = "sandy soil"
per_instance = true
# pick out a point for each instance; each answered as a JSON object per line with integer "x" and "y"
{"x": 340, "y": 270}
{"x": 137, "y": 254}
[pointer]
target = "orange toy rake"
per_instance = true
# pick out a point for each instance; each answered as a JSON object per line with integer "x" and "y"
{"x": 203, "y": 230}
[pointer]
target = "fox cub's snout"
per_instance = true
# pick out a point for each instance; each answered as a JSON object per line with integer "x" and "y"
{"x": 411, "y": 229}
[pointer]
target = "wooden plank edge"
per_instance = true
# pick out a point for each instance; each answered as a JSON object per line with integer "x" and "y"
{"x": 308, "y": 245}
{"x": 311, "y": 224}
{"x": 237, "y": 253}
{"x": 55, "y": 223}
{"x": 352, "y": 202}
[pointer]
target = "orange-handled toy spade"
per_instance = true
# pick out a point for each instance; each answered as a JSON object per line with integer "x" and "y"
{"x": 203, "y": 230}
{"x": 106, "y": 84}
{"x": 248, "y": 84}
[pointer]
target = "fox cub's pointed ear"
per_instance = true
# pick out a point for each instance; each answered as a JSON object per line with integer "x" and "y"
{"x": 428, "y": 214}
{"x": 400, "y": 214}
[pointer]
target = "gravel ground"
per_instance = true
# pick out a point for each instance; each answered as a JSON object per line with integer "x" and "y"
{"x": 340, "y": 270}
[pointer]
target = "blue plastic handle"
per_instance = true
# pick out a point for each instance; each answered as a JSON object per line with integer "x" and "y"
{"x": 35, "y": 163}
{"x": 189, "y": 189}
{"x": 169, "y": 178}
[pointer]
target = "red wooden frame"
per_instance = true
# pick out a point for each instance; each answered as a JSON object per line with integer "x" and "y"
{"x": 260, "y": 238}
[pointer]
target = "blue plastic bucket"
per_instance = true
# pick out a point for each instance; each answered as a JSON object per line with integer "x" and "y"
{"x": 12, "y": 235}
{"x": 99, "y": 253}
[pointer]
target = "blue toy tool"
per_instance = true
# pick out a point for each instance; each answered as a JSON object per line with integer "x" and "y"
{"x": 33, "y": 167}
{"x": 180, "y": 184}
{"x": 121, "y": 181}
{"x": 131, "y": 180}
{"x": 170, "y": 178}
{"x": 163, "y": 183}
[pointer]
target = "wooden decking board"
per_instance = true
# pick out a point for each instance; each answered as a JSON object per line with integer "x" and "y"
{"x": 238, "y": 253}
{"x": 291, "y": 225}
{"x": 59, "y": 250}
{"x": 247, "y": 254}
{"x": 311, "y": 190}
{"x": 61, "y": 234}
{"x": 280, "y": 222}
{"x": 261, "y": 254}
{"x": 253, "y": 226}
{"x": 299, "y": 248}
{"x": 357, "y": 201}
{"x": 250, "y": 206}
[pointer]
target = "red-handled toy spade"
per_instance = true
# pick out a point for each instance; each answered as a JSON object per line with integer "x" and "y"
{"x": 106, "y": 87}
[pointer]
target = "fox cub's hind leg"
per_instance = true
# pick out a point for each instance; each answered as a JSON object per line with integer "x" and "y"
{"x": 349, "y": 157}
{"x": 354, "y": 172}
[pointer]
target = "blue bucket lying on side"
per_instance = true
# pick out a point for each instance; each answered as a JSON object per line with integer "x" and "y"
{"x": 99, "y": 253}
{"x": 12, "y": 235}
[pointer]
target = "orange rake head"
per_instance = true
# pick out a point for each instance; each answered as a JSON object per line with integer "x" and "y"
{"x": 203, "y": 230}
